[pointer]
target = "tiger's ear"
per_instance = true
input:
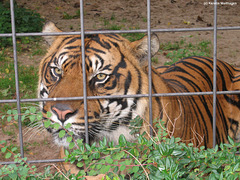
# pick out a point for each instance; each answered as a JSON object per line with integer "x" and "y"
{"x": 140, "y": 47}
{"x": 50, "y": 27}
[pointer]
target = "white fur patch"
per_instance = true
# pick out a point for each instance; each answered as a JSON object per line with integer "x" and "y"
{"x": 42, "y": 88}
{"x": 114, "y": 135}
{"x": 62, "y": 59}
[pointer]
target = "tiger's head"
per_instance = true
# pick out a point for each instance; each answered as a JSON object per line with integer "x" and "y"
{"x": 113, "y": 67}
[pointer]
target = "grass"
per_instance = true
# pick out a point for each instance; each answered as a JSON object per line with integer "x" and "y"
{"x": 181, "y": 49}
{"x": 28, "y": 75}
{"x": 68, "y": 16}
{"x": 28, "y": 78}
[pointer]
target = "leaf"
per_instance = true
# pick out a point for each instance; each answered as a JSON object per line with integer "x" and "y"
{"x": 88, "y": 147}
{"x": 2, "y": 142}
{"x": 27, "y": 112}
{"x": 71, "y": 145}
{"x": 135, "y": 169}
{"x": 107, "y": 178}
{"x": 122, "y": 140}
{"x": 56, "y": 126}
{"x": 47, "y": 123}
{"x": 109, "y": 160}
{"x": 235, "y": 167}
{"x": 32, "y": 109}
{"x": 69, "y": 139}
{"x": 9, "y": 118}
{"x": 8, "y": 155}
{"x": 23, "y": 117}
{"x": 96, "y": 155}
{"x": 62, "y": 133}
{"x": 49, "y": 114}
{"x": 14, "y": 149}
{"x": 80, "y": 164}
{"x": 184, "y": 161}
{"x": 231, "y": 141}
{"x": 9, "y": 112}
{"x": 68, "y": 125}
{"x": 105, "y": 169}
{"x": 39, "y": 117}
{"x": 98, "y": 166}
{"x": 32, "y": 118}
{"x": 178, "y": 152}
{"x": 122, "y": 168}
{"x": 14, "y": 111}
{"x": 4, "y": 149}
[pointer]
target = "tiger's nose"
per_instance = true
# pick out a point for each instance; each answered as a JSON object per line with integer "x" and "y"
{"x": 63, "y": 111}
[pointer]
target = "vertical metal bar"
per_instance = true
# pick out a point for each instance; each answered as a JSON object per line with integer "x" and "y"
{"x": 84, "y": 72}
{"x": 149, "y": 64}
{"x": 16, "y": 76}
{"x": 214, "y": 72}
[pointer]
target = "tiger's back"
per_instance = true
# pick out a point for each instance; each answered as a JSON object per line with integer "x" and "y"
{"x": 195, "y": 74}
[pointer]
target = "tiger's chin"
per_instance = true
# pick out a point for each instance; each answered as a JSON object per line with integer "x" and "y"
{"x": 61, "y": 142}
{"x": 111, "y": 136}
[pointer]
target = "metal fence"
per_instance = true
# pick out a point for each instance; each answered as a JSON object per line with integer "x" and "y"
{"x": 148, "y": 30}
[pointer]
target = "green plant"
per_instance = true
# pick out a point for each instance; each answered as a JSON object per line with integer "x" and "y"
{"x": 133, "y": 36}
{"x": 68, "y": 16}
{"x": 155, "y": 59}
{"x": 156, "y": 158}
{"x": 113, "y": 17}
{"x": 182, "y": 53}
{"x": 180, "y": 49}
{"x": 25, "y": 21}
{"x": 152, "y": 158}
{"x": 27, "y": 79}
{"x": 22, "y": 169}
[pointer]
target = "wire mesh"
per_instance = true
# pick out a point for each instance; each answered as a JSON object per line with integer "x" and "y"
{"x": 148, "y": 30}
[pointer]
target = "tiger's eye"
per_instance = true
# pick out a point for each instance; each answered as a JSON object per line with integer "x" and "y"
{"x": 58, "y": 71}
{"x": 101, "y": 76}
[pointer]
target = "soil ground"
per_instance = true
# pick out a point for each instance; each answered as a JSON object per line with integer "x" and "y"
{"x": 131, "y": 14}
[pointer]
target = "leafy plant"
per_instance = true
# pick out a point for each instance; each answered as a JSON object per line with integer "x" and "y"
{"x": 181, "y": 49}
{"x": 156, "y": 158}
{"x": 25, "y": 21}
{"x": 152, "y": 158}
{"x": 182, "y": 53}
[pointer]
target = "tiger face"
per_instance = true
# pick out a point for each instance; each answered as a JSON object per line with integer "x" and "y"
{"x": 113, "y": 67}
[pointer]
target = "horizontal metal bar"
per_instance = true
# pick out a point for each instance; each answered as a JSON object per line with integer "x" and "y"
{"x": 35, "y": 161}
{"x": 119, "y": 96}
{"x": 121, "y": 31}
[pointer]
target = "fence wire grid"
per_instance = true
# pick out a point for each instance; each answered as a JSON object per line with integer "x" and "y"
{"x": 148, "y": 31}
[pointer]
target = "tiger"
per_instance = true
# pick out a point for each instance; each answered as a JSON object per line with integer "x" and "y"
{"x": 116, "y": 66}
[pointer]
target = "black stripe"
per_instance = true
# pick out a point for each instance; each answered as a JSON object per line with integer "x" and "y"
{"x": 127, "y": 82}
{"x": 113, "y": 36}
{"x": 73, "y": 39}
{"x": 72, "y": 47}
{"x": 101, "y": 60}
{"x": 155, "y": 91}
{"x": 96, "y": 50}
{"x": 107, "y": 67}
{"x": 103, "y": 44}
